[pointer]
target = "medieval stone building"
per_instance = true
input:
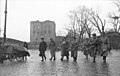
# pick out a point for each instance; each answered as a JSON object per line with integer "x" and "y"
{"x": 40, "y": 29}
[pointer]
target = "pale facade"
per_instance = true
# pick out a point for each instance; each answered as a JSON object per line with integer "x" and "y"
{"x": 44, "y": 29}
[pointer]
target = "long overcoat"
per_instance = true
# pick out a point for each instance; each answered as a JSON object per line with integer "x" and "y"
{"x": 52, "y": 47}
{"x": 94, "y": 45}
{"x": 104, "y": 46}
{"x": 42, "y": 48}
{"x": 65, "y": 47}
{"x": 74, "y": 49}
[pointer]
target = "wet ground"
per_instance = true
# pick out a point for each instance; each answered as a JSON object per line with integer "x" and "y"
{"x": 35, "y": 67}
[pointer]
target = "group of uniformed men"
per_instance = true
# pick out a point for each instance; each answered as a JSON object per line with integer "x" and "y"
{"x": 93, "y": 47}
{"x": 64, "y": 49}
{"x": 97, "y": 47}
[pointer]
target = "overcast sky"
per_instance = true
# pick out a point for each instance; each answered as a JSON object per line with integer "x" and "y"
{"x": 21, "y": 12}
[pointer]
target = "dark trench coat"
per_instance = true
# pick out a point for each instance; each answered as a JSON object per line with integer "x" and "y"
{"x": 42, "y": 48}
{"x": 64, "y": 50}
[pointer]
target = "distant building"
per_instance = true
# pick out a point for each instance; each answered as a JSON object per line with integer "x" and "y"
{"x": 114, "y": 39}
{"x": 40, "y": 29}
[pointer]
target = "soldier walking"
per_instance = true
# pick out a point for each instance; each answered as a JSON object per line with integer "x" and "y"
{"x": 74, "y": 49}
{"x": 42, "y": 49}
{"x": 86, "y": 48}
{"x": 52, "y": 47}
{"x": 64, "y": 49}
{"x": 94, "y": 42}
{"x": 105, "y": 45}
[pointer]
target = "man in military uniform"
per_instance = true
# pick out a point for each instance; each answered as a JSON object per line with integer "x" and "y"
{"x": 42, "y": 49}
{"x": 105, "y": 45}
{"x": 64, "y": 50}
{"x": 52, "y": 47}
{"x": 74, "y": 49}
{"x": 94, "y": 42}
{"x": 86, "y": 48}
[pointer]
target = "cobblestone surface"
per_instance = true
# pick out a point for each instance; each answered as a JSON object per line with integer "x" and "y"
{"x": 35, "y": 67}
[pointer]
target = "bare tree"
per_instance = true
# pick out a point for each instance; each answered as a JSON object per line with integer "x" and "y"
{"x": 61, "y": 33}
{"x": 83, "y": 19}
{"x": 117, "y": 3}
{"x": 97, "y": 21}
{"x": 80, "y": 22}
{"x": 115, "y": 17}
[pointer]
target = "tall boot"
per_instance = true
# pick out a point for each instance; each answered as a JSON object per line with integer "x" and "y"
{"x": 45, "y": 57}
{"x": 94, "y": 59}
{"x": 67, "y": 57}
{"x": 104, "y": 58}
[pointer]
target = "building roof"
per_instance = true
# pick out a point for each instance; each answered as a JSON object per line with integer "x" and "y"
{"x": 46, "y": 21}
{"x": 113, "y": 34}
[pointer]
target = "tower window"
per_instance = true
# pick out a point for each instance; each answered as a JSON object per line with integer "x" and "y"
{"x": 33, "y": 32}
